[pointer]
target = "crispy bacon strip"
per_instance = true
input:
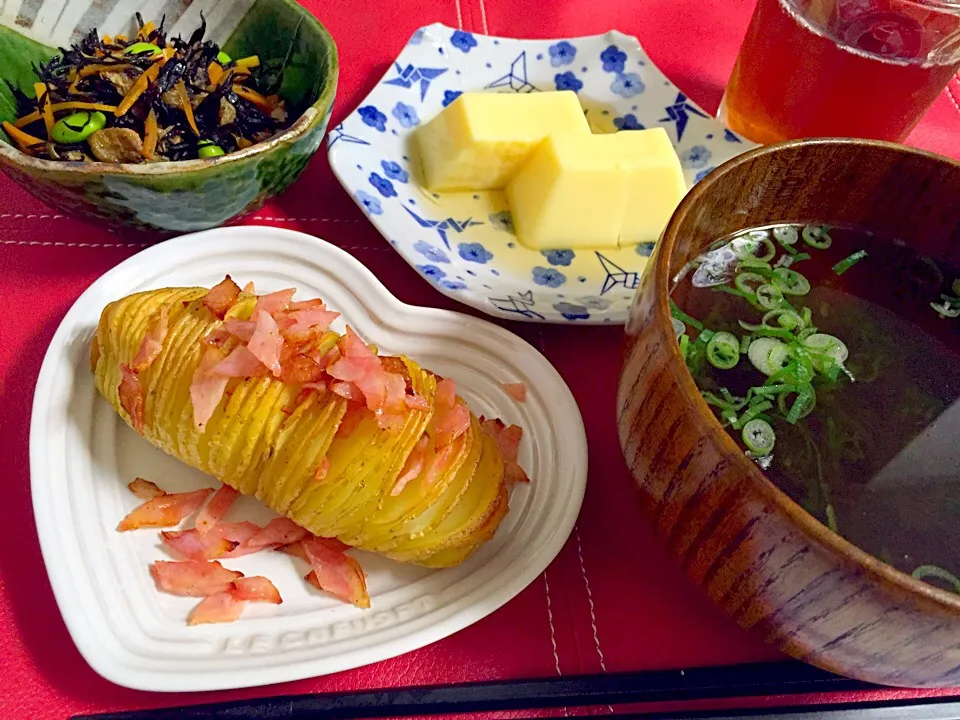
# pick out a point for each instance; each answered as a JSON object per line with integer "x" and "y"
{"x": 266, "y": 343}
{"x": 131, "y": 396}
{"x": 279, "y": 531}
{"x": 413, "y": 466}
{"x": 144, "y": 489}
{"x": 152, "y": 344}
{"x": 193, "y": 578}
{"x": 221, "y": 607}
{"x": 164, "y": 510}
{"x": 518, "y": 391}
{"x": 223, "y": 540}
{"x": 508, "y": 441}
{"x": 256, "y": 589}
{"x": 216, "y": 509}
{"x": 336, "y": 573}
{"x": 274, "y": 302}
{"x": 206, "y": 389}
{"x": 239, "y": 363}
{"x": 222, "y": 297}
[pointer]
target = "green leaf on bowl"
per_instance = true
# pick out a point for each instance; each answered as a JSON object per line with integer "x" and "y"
{"x": 18, "y": 55}
{"x": 294, "y": 48}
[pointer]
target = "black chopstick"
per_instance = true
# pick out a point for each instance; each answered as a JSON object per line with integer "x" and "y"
{"x": 781, "y": 678}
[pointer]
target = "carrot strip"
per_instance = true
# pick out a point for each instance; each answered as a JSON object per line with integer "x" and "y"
{"x": 24, "y": 140}
{"x": 181, "y": 90}
{"x": 256, "y": 98}
{"x": 145, "y": 31}
{"x": 27, "y": 119}
{"x": 98, "y": 68}
{"x": 69, "y": 105}
{"x": 107, "y": 40}
{"x": 140, "y": 86}
{"x": 248, "y": 62}
{"x": 46, "y": 109}
{"x": 120, "y": 38}
{"x": 242, "y": 142}
{"x": 150, "y": 135}
{"x": 215, "y": 72}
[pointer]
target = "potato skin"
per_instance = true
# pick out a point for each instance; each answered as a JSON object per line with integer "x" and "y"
{"x": 268, "y": 439}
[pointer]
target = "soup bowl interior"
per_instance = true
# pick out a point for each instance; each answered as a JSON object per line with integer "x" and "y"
{"x": 761, "y": 557}
{"x": 186, "y": 195}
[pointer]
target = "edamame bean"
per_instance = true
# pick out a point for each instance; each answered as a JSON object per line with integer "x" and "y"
{"x": 77, "y": 127}
{"x": 142, "y": 48}
{"x": 223, "y": 58}
{"x": 209, "y": 149}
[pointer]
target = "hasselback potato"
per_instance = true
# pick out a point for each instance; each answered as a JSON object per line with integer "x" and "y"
{"x": 258, "y": 392}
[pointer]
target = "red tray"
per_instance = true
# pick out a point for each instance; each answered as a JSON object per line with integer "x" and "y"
{"x": 612, "y": 601}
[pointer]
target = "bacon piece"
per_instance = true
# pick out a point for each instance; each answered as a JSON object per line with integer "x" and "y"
{"x": 216, "y": 509}
{"x": 508, "y": 441}
{"x": 518, "y": 391}
{"x": 347, "y": 390}
{"x": 311, "y": 319}
{"x": 331, "y": 356}
{"x": 323, "y": 467}
{"x": 446, "y": 395}
{"x": 297, "y": 551}
{"x": 256, "y": 589}
{"x": 221, "y": 297}
{"x": 164, "y": 510}
{"x": 152, "y": 344}
{"x": 451, "y": 424}
{"x": 206, "y": 389}
{"x": 336, "y": 573}
{"x": 217, "y": 338}
{"x": 413, "y": 466}
{"x": 306, "y": 305}
{"x": 144, "y": 489}
{"x": 239, "y": 363}
{"x": 223, "y": 540}
{"x": 242, "y": 330}
{"x": 275, "y": 302}
{"x": 438, "y": 463}
{"x": 131, "y": 396}
{"x": 358, "y": 365}
{"x": 299, "y": 368}
{"x": 220, "y": 607}
{"x": 193, "y": 578}
{"x": 417, "y": 402}
{"x": 279, "y": 531}
{"x": 266, "y": 342}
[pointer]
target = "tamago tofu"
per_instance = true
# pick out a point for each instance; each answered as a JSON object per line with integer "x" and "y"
{"x": 596, "y": 191}
{"x": 481, "y": 139}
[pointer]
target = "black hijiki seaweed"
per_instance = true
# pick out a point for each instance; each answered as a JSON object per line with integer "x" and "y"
{"x": 188, "y": 70}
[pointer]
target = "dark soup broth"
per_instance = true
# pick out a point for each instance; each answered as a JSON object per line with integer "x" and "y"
{"x": 832, "y": 357}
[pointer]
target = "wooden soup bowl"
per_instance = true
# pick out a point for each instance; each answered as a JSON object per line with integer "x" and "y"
{"x": 762, "y": 558}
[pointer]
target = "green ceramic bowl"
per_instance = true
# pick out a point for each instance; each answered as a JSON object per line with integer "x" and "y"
{"x": 192, "y": 194}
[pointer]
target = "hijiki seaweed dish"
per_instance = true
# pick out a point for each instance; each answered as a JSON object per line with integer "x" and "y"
{"x": 148, "y": 98}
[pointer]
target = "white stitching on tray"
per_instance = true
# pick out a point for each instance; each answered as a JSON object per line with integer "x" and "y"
{"x": 483, "y": 17}
{"x": 593, "y": 615}
{"x": 71, "y": 244}
{"x": 30, "y": 217}
{"x": 304, "y": 219}
{"x": 950, "y": 95}
{"x": 459, "y": 15}
{"x": 553, "y": 633}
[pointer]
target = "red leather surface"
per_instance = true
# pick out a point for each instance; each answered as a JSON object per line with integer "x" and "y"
{"x": 611, "y": 601}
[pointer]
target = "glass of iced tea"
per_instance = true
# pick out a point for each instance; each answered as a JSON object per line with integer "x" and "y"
{"x": 841, "y": 68}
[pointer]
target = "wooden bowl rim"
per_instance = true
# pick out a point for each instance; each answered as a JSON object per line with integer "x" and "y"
{"x": 292, "y": 133}
{"x": 803, "y": 520}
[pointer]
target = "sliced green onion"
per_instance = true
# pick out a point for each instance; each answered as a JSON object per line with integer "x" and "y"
{"x": 800, "y": 257}
{"x": 754, "y": 410}
{"x": 802, "y": 406}
{"x": 767, "y": 332}
{"x": 743, "y": 280}
{"x": 807, "y": 316}
{"x": 935, "y": 571}
{"x": 732, "y": 403}
{"x": 785, "y": 317}
{"x": 732, "y": 291}
{"x": 684, "y": 345}
{"x": 730, "y": 417}
{"x": 745, "y": 344}
{"x": 767, "y": 390}
{"x": 684, "y": 318}
{"x": 758, "y": 436}
{"x": 790, "y": 281}
{"x": 755, "y": 264}
{"x": 771, "y": 250}
{"x": 848, "y": 262}
{"x": 817, "y": 237}
{"x": 786, "y": 235}
{"x": 760, "y": 351}
{"x": 723, "y": 351}
{"x": 823, "y": 345}
{"x": 769, "y": 297}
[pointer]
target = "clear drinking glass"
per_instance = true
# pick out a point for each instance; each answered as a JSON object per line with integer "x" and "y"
{"x": 841, "y": 68}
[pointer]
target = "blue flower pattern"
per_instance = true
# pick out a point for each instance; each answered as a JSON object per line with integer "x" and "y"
{"x": 567, "y": 81}
{"x": 431, "y": 272}
{"x": 383, "y": 186}
{"x": 548, "y": 277}
{"x": 369, "y": 203}
{"x": 450, "y": 95}
{"x": 559, "y": 257}
{"x": 558, "y": 265}
{"x": 395, "y": 171}
{"x": 696, "y": 157}
{"x": 562, "y": 53}
{"x": 571, "y": 311}
{"x": 627, "y": 85}
{"x": 627, "y": 122}
{"x": 406, "y": 115}
{"x": 373, "y": 117}
{"x": 463, "y": 41}
{"x": 474, "y": 252}
{"x": 614, "y": 59}
{"x": 431, "y": 253}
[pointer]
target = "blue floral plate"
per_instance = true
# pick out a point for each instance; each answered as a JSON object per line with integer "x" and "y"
{"x": 463, "y": 243}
